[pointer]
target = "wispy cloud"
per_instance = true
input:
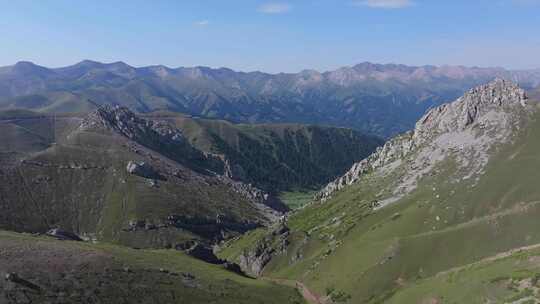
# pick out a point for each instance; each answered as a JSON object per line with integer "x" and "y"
{"x": 384, "y": 4}
{"x": 202, "y": 23}
{"x": 274, "y": 8}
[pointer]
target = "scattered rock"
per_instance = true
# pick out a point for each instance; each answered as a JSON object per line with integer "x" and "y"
{"x": 142, "y": 169}
{"x": 63, "y": 235}
{"x": 14, "y": 278}
{"x": 203, "y": 252}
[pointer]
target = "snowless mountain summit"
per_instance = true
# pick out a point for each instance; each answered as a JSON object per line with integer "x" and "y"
{"x": 466, "y": 129}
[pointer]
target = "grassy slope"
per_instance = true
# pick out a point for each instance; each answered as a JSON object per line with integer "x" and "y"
{"x": 100, "y": 200}
{"x": 506, "y": 278}
{"x": 297, "y": 199}
{"x": 72, "y": 272}
{"x": 443, "y": 224}
{"x": 50, "y": 102}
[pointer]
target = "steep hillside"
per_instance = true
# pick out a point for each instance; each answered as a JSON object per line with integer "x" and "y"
{"x": 114, "y": 176}
{"x": 374, "y": 98}
{"x": 437, "y": 215}
{"x": 42, "y": 270}
{"x": 277, "y": 157}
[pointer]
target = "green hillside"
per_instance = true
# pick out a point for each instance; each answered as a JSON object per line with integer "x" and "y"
{"x": 278, "y": 157}
{"x": 75, "y": 272}
{"x": 56, "y": 173}
{"x": 355, "y": 253}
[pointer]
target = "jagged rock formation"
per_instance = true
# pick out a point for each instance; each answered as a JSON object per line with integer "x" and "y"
{"x": 465, "y": 129}
{"x": 141, "y": 169}
{"x": 152, "y": 134}
{"x": 254, "y": 259}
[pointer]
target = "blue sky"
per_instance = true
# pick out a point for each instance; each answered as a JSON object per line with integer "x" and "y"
{"x": 272, "y": 36}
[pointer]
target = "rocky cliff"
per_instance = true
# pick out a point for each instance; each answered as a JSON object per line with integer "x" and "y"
{"x": 155, "y": 135}
{"x": 465, "y": 129}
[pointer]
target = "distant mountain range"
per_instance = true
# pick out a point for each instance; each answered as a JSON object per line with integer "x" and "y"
{"x": 383, "y": 99}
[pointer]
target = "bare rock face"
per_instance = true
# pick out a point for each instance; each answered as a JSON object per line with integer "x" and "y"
{"x": 142, "y": 169}
{"x": 156, "y": 135}
{"x": 465, "y": 129}
{"x": 266, "y": 202}
{"x": 497, "y": 96}
{"x": 63, "y": 235}
{"x": 124, "y": 121}
{"x": 254, "y": 260}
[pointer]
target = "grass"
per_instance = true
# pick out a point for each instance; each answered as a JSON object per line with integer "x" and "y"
{"x": 235, "y": 247}
{"x": 373, "y": 255}
{"x": 102, "y": 200}
{"x": 297, "y": 199}
{"x": 278, "y": 157}
{"x": 477, "y": 283}
{"x": 152, "y": 275}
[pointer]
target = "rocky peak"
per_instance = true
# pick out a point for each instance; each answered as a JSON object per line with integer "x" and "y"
{"x": 125, "y": 122}
{"x": 155, "y": 135}
{"x": 497, "y": 95}
{"x": 466, "y": 129}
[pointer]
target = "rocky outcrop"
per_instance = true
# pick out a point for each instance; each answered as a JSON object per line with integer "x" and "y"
{"x": 219, "y": 227}
{"x": 201, "y": 252}
{"x": 124, "y": 121}
{"x": 265, "y": 201}
{"x": 169, "y": 141}
{"x": 156, "y": 135}
{"x": 497, "y": 96}
{"x": 465, "y": 129}
{"x": 142, "y": 169}
{"x": 393, "y": 150}
{"x": 253, "y": 260}
{"x": 61, "y": 234}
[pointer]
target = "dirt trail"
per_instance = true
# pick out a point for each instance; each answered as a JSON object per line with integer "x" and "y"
{"x": 310, "y": 296}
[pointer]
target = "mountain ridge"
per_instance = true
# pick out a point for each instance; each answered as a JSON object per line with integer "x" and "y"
{"x": 457, "y": 190}
{"x": 446, "y": 118}
{"x": 381, "y": 99}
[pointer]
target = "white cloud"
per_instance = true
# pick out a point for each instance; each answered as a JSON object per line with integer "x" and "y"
{"x": 275, "y": 8}
{"x": 202, "y": 23}
{"x": 385, "y": 4}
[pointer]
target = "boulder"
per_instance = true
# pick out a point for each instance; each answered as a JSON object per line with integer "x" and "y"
{"x": 142, "y": 169}
{"x": 203, "y": 252}
{"x": 63, "y": 235}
